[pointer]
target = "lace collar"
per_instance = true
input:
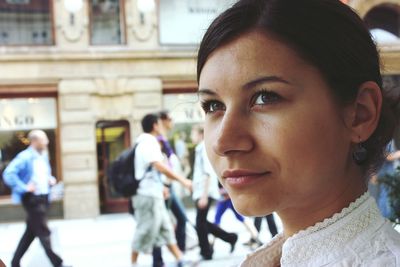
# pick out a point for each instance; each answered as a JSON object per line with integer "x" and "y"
{"x": 323, "y": 241}
{"x": 268, "y": 255}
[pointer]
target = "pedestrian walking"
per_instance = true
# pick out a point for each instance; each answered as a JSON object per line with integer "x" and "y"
{"x": 225, "y": 204}
{"x": 205, "y": 192}
{"x": 173, "y": 202}
{"x": 257, "y": 223}
{"x": 29, "y": 177}
{"x": 182, "y": 152}
{"x": 153, "y": 224}
{"x": 387, "y": 169}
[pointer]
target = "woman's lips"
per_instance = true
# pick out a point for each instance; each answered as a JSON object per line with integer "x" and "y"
{"x": 240, "y": 178}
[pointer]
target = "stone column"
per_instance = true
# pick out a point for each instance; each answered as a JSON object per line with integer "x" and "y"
{"x": 82, "y": 104}
{"x": 78, "y": 149}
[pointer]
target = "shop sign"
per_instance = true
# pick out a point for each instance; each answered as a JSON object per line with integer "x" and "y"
{"x": 185, "y": 22}
{"x": 184, "y": 108}
{"x": 27, "y": 114}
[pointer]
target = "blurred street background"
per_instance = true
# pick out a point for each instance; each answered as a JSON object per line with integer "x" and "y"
{"x": 85, "y": 72}
{"x": 105, "y": 241}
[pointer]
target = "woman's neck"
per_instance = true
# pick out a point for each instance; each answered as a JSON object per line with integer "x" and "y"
{"x": 323, "y": 206}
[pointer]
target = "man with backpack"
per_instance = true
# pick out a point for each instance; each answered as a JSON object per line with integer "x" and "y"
{"x": 154, "y": 227}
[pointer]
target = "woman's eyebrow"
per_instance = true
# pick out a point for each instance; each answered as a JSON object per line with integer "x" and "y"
{"x": 248, "y": 85}
{"x": 264, "y": 79}
{"x": 205, "y": 91}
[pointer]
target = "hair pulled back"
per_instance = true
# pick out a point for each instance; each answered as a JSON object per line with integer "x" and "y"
{"x": 326, "y": 33}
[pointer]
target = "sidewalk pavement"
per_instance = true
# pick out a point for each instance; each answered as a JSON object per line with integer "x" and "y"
{"x": 105, "y": 241}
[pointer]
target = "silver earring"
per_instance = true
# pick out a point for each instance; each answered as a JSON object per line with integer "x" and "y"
{"x": 360, "y": 154}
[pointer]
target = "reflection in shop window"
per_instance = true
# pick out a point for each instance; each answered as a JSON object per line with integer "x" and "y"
{"x": 18, "y": 117}
{"x": 106, "y": 22}
{"x": 25, "y": 22}
{"x": 13, "y": 142}
{"x": 185, "y": 111}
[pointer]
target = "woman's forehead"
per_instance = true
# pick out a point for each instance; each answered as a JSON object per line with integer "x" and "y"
{"x": 249, "y": 57}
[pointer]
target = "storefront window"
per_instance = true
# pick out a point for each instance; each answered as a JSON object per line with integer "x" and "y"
{"x": 25, "y": 22}
{"x": 106, "y": 22}
{"x": 18, "y": 116}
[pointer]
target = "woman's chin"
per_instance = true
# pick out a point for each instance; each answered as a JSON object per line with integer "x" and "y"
{"x": 251, "y": 209}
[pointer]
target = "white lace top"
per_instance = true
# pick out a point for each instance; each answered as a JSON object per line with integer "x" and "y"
{"x": 357, "y": 236}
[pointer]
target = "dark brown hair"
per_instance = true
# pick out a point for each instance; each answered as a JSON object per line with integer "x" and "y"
{"x": 148, "y": 122}
{"x": 164, "y": 115}
{"x": 326, "y": 33}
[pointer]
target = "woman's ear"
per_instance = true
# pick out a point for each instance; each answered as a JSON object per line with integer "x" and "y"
{"x": 365, "y": 112}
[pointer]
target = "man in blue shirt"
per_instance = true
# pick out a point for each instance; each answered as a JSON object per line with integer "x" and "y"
{"x": 388, "y": 168}
{"x": 29, "y": 177}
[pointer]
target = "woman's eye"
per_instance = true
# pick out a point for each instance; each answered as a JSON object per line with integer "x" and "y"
{"x": 212, "y": 106}
{"x": 267, "y": 97}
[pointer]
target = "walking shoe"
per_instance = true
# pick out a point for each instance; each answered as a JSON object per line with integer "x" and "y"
{"x": 250, "y": 242}
{"x": 206, "y": 257}
{"x": 233, "y": 242}
{"x": 253, "y": 242}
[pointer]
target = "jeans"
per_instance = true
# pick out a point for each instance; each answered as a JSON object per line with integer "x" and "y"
{"x": 384, "y": 201}
{"x": 222, "y": 206}
{"x": 177, "y": 208}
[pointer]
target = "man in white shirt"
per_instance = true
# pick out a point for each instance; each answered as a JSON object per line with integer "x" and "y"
{"x": 154, "y": 227}
{"x": 205, "y": 191}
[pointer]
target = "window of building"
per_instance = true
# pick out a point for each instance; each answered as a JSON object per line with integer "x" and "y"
{"x": 18, "y": 116}
{"x": 107, "y": 23}
{"x": 182, "y": 102}
{"x": 384, "y": 23}
{"x": 26, "y": 22}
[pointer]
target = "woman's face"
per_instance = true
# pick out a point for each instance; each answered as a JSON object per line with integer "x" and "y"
{"x": 273, "y": 132}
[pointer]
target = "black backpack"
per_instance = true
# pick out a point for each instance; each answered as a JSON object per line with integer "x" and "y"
{"x": 121, "y": 173}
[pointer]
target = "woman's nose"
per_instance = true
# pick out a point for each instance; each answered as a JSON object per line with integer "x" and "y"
{"x": 232, "y": 135}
